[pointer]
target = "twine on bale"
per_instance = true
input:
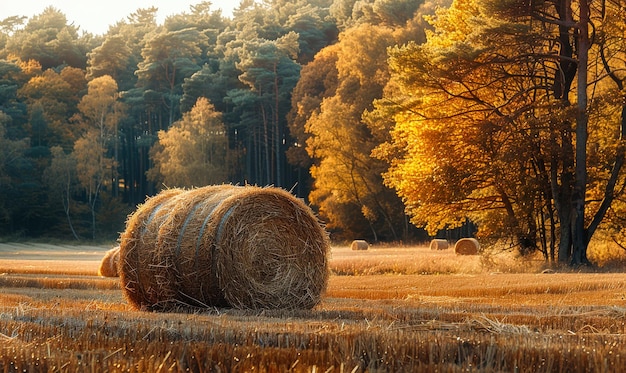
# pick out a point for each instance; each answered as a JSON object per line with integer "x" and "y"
{"x": 439, "y": 244}
{"x": 181, "y": 237}
{"x": 109, "y": 264}
{"x": 244, "y": 247}
{"x": 359, "y": 245}
{"x": 467, "y": 246}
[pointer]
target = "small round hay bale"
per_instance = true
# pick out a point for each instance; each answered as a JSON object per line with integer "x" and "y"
{"x": 467, "y": 246}
{"x": 245, "y": 247}
{"x": 359, "y": 245}
{"x": 439, "y": 244}
{"x": 109, "y": 264}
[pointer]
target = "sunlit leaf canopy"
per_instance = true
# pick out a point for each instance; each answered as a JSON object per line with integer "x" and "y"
{"x": 488, "y": 123}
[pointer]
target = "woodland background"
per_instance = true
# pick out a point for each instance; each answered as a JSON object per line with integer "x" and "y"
{"x": 386, "y": 115}
{"x": 80, "y": 114}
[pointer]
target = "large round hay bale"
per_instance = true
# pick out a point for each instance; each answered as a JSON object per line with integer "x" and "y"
{"x": 439, "y": 244}
{"x": 109, "y": 264}
{"x": 359, "y": 245}
{"x": 467, "y": 246}
{"x": 244, "y": 247}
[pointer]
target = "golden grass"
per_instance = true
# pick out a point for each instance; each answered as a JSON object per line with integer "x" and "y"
{"x": 76, "y": 267}
{"x": 411, "y": 260}
{"x": 472, "y": 320}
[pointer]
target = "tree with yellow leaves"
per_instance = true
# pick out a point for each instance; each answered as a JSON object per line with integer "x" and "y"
{"x": 100, "y": 113}
{"x": 193, "y": 151}
{"x": 493, "y": 120}
{"x": 348, "y": 187}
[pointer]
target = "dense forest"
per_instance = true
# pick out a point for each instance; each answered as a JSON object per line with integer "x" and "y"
{"x": 385, "y": 115}
{"x": 92, "y": 124}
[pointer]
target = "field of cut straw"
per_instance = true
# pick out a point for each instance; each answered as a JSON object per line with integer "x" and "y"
{"x": 389, "y": 309}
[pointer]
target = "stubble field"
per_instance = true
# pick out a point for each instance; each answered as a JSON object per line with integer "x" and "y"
{"x": 386, "y": 309}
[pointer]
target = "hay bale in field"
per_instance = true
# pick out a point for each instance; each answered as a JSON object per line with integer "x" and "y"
{"x": 244, "y": 247}
{"x": 467, "y": 246}
{"x": 359, "y": 245}
{"x": 109, "y": 264}
{"x": 439, "y": 244}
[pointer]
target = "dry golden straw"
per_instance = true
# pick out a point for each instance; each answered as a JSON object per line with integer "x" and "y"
{"x": 359, "y": 245}
{"x": 244, "y": 247}
{"x": 140, "y": 271}
{"x": 439, "y": 244}
{"x": 467, "y": 246}
{"x": 109, "y": 264}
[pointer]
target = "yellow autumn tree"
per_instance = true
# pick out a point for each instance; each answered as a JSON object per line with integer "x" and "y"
{"x": 492, "y": 118}
{"x": 348, "y": 187}
{"x": 194, "y": 151}
{"x": 100, "y": 113}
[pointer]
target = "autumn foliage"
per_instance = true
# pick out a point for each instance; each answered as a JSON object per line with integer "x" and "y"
{"x": 507, "y": 116}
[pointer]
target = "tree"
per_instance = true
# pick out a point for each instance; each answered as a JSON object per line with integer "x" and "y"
{"x": 347, "y": 180}
{"x": 110, "y": 58}
{"x": 318, "y": 80}
{"x": 48, "y": 39}
{"x": 11, "y": 78}
{"x": 193, "y": 151}
{"x": 488, "y": 125}
{"x": 10, "y": 24}
{"x": 93, "y": 169}
{"x": 311, "y": 23}
{"x": 100, "y": 112}
{"x": 50, "y": 92}
{"x": 11, "y": 156}
{"x": 269, "y": 69}
{"x": 133, "y": 32}
{"x": 168, "y": 58}
{"x": 60, "y": 177}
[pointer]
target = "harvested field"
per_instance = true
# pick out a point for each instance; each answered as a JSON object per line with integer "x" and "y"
{"x": 377, "y": 320}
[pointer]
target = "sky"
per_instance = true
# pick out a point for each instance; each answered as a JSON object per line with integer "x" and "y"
{"x": 96, "y": 16}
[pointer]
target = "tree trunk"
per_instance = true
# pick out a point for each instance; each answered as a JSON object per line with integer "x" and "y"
{"x": 266, "y": 141}
{"x": 570, "y": 179}
{"x": 66, "y": 205}
{"x": 277, "y": 132}
{"x": 562, "y": 193}
{"x": 579, "y": 233}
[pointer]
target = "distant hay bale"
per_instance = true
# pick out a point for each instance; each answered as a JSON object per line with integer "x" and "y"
{"x": 243, "y": 247}
{"x": 359, "y": 245}
{"x": 439, "y": 244}
{"x": 467, "y": 246}
{"x": 109, "y": 264}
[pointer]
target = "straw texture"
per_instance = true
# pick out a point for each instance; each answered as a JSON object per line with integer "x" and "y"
{"x": 224, "y": 245}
